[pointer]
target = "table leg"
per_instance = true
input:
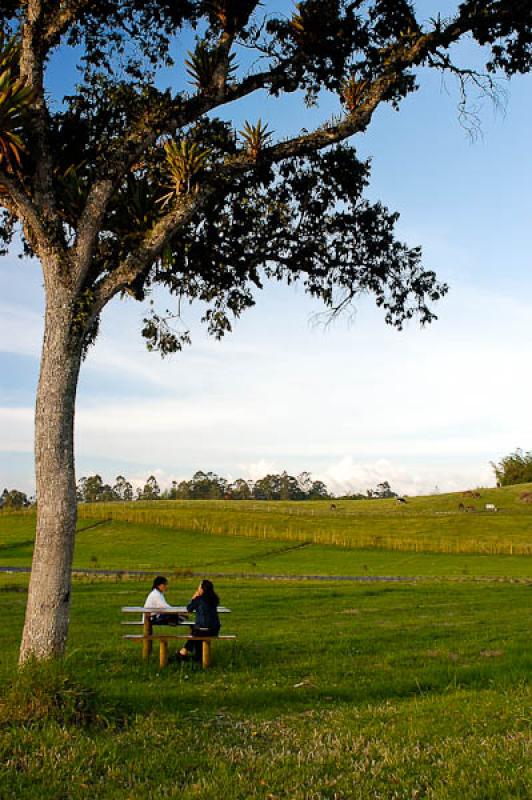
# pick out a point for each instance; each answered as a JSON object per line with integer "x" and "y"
{"x": 163, "y": 653}
{"x": 147, "y": 644}
{"x": 205, "y": 654}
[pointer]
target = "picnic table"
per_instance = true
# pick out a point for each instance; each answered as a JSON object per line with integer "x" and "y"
{"x": 147, "y": 637}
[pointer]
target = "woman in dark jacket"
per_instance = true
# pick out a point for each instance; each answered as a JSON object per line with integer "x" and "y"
{"x": 204, "y": 603}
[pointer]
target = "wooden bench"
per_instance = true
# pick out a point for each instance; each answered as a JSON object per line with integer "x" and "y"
{"x": 164, "y": 638}
{"x": 147, "y": 637}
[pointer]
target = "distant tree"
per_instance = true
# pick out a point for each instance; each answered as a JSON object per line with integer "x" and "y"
{"x": 267, "y": 488}
{"x": 91, "y": 488}
{"x": 278, "y": 487}
{"x": 207, "y": 486}
{"x": 183, "y": 490}
{"x": 289, "y": 488}
{"x": 240, "y": 489}
{"x": 304, "y": 481}
{"x": 384, "y": 490}
{"x": 381, "y": 492}
{"x": 107, "y": 494}
{"x": 122, "y": 489}
{"x": 170, "y": 493}
{"x": 318, "y": 491}
{"x": 514, "y": 468}
{"x": 13, "y": 500}
{"x": 80, "y": 490}
{"x": 151, "y": 490}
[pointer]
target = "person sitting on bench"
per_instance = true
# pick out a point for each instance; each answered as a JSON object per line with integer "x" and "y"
{"x": 156, "y": 599}
{"x": 204, "y": 602}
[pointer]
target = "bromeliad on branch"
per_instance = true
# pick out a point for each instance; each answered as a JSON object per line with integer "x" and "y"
{"x": 16, "y": 100}
{"x": 256, "y": 137}
{"x": 185, "y": 161}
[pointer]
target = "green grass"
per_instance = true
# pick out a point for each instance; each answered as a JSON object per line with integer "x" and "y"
{"x": 331, "y": 691}
{"x": 122, "y": 545}
{"x": 432, "y": 524}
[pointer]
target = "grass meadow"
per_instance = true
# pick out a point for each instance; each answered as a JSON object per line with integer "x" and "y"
{"x": 108, "y": 544}
{"x": 334, "y": 690}
{"x": 433, "y": 523}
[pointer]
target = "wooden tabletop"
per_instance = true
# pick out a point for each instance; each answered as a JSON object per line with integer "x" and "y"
{"x": 170, "y": 610}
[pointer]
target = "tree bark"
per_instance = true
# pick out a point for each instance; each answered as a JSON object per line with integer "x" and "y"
{"x": 47, "y": 611}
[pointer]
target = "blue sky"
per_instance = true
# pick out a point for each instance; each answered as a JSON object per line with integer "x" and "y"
{"x": 356, "y": 402}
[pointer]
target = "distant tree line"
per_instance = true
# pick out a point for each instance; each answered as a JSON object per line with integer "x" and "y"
{"x": 202, "y": 486}
{"x": 514, "y": 468}
{"x": 205, "y": 486}
{"x": 381, "y": 492}
{"x": 14, "y": 500}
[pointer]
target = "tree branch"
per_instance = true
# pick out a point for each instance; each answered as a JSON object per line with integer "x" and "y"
{"x": 60, "y": 20}
{"x": 136, "y": 263}
{"x": 26, "y": 211}
{"x": 135, "y": 145}
{"x": 409, "y": 55}
{"x": 32, "y": 72}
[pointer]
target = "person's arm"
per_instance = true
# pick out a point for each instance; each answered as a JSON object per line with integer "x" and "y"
{"x": 194, "y": 604}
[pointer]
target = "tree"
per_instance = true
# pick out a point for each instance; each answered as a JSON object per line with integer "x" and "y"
{"x": 90, "y": 489}
{"x": 151, "y": 490}
{"x": 289, "y": 488}
{"x": 122, "y": 489}
{"x": 108, "y": 494}
{"x": 127, "y": 183}
{"x": 183, "y": 491}
{"x": 318, "y": 491}
{"x": 267, "y": 488}
{"x": 240, "y": 489}
{"x": 206, "y": 486}
{"x": 383, "y": 491}
{"x": 13, "y": 500}
{"x": 514, "y": 468}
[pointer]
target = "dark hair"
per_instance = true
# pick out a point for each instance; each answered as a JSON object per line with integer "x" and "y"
{"x": 209, "y": 594}
{"x": 159, "y": 580}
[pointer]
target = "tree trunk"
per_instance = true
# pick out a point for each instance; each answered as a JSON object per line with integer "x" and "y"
{"x": 47, "y": 611}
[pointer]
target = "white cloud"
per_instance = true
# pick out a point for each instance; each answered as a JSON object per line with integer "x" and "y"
{"x": 280, "y": 393}
{"x": 347, "y": 476}
{"x": 257, "y": 469}
{"x": 16, "y": 430}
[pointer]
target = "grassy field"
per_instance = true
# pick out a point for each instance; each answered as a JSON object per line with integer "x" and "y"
{"x": 430, "y": 524}
{"x": 123, "y": 545}
{"x": 332, "y": 691}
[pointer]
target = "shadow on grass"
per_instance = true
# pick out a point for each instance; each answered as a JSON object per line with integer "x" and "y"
{"x": 246, "y": 681}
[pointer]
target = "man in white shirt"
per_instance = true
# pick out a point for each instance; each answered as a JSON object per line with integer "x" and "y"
{"x": 156, "y": 599}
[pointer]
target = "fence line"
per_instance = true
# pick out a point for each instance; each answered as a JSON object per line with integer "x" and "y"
{"x": 291, "y": 531}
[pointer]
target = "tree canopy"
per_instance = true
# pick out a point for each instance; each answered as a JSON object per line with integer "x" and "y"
{"x": 514, "y": 468}
{"x": 206, "y": 486}
{"x": 130, "y": 182}
{"x": 13, "y": 500}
